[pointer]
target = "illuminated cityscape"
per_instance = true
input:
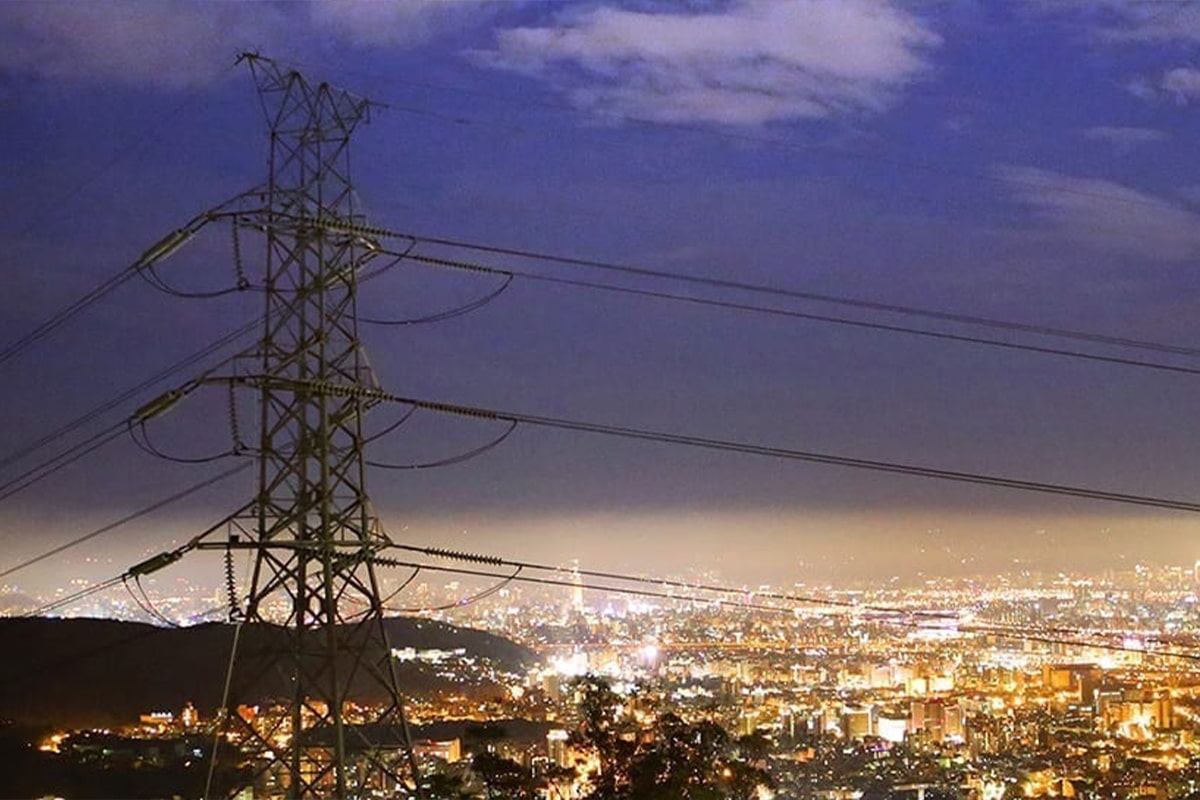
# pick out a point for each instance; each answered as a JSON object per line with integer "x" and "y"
{"x": 599, "y": 400}
{"x": 1026, "y": 685}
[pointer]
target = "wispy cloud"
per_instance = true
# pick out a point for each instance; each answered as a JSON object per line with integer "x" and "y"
{"x": 1123, "y": 138}
{"x": 1129, "y": 20}
{"x": 135, "y": 43}
{"x": 178, "y": 45}
{"x": 749, "y": 63}
{"x": 1182, "y": 83}
{"x": 1106, "y": 216}
{"x": 1150, "y": 20}
{"x": 374, "y": 22}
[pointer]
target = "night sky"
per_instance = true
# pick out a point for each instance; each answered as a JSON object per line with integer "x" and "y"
{"x": 1024, "y": 160}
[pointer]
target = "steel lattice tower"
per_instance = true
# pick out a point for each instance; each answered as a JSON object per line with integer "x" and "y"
{"x": 310, "y": 527}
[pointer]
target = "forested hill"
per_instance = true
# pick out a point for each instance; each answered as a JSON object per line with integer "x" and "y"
{"x": 76, "y": 672}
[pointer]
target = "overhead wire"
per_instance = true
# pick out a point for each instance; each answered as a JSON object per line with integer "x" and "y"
{"x": 784, "y": 292}
{"x": 831, "y": 459}
{"x": 462, "y": 602}
{"x": 819, "y": 318}
{"x": 706, "y": 442}
{"x": 446, "y": 462}
{"x": 129, "y": 393}
{"x": 148, "y": 411}
{"x": 62, "y": 316}
{"x": 75, "y": 597}
{"x": 146, "y": 445}
{"x": 405, "y": 417}
{"x": 442, "y": 316}
{"x": 1016, "y": 634}
{"x": 933, "y": 616}
{"x": 397, "y": 258}
{"x": 403, "y": 585}
{"x": 156, "y": 252}
{"x": 128, "y": 518}
{"x": 143, "y": 602}
{"x": 149, "y": 565}
{"x": 151, "y": 276}
{"x": 61, "y": 460}
{"x": 456, "y": 555}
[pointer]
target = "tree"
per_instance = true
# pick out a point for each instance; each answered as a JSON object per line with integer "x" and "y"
{"x": 671, "y": 759}
{"x": 504, "y": 778}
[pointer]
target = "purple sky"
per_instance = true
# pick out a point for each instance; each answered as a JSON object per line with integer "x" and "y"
{"x": 1019, "y": 159}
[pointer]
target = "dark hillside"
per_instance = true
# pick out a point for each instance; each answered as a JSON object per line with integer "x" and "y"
{"x": 76, "y": 672}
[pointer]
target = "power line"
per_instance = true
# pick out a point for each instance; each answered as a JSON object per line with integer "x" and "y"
{"x": 821, "y": 318}
{"x": 75, "y": 597}
{"x": 110, "y": 527}
{"x": 1015, "y": 634}
{"x": 725, "y": 445}
{"x": 153, "y": 563}
{"x": 61, "y": 461}
{"x": 146, "y": 133}
{"x": 49, "y": 326}
{"x": 455, "y": 459}
{"x": 778, "y": 291}
{"x": 50, "y": 466}
{"x": 455, "y": 555}
{"x": 129, "y": 393}
{"x": 155, "y": 253}
{"x": 790, "y": 597}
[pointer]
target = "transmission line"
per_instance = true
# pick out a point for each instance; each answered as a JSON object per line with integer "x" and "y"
{"x": 664, "y": 437}
{"x": 148, "y": 411}
{"x": 129, "y": 393}
{"x": 156, "y": 562}
{"x": 725, "y": 445}
{"x": 155, "y": 253}
{"x": 455, "y": 555}
{"x": 146, "y": 133}
{"x": 112, "y": 526}
{"x": 1018, "y": 635}
{"x": 788, "y": 313}
{"x": 61, "y": 461}
{"x": 779, "y": 291}
{"x": 694, "y": 586}
{"x": 75, "y": 597}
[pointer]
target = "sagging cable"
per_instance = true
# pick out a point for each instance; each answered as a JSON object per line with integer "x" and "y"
{"x": 445, "y": 315}
{"x": 458, "y": 459}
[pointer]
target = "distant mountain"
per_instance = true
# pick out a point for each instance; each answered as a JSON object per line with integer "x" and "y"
{"x": 95, "y": 672}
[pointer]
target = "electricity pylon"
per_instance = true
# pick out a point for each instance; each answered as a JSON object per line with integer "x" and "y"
{"x": 310, "y": 527}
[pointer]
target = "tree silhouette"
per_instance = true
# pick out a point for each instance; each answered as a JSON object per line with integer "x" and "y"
{"x": 670, "y": 759}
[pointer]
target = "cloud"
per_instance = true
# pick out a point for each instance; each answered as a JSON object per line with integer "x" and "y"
{"x": 1106, "y": 216}
{"x": 1124, "y": 138}
{"x": 1151, "y": 21}
{"x": 1182, "y": 83}
{"x": 402, "y": 22}
{"x": 1129, "y": 20}
{"x": 138, "y": 42}
{"x": 180, "y": 45}
{"x": 750, "y": 63}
